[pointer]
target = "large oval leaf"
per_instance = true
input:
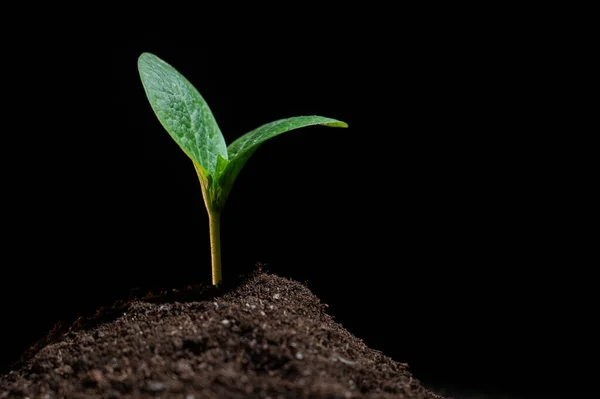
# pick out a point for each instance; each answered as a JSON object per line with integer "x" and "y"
{"x": 182, "y": 111}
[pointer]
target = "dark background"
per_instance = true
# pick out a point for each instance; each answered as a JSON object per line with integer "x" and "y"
{"x": 442, "y": 227}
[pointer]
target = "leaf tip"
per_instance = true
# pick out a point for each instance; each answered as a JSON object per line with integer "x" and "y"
{"x": 146, "y": 55}
{"x": 146, "y": 58}
{"x": 335, "y": 123}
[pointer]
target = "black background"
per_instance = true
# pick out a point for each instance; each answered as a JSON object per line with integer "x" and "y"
{"x": 441, "y": 227}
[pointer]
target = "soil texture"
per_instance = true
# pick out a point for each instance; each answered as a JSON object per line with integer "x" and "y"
{"x": 268, "y": 337}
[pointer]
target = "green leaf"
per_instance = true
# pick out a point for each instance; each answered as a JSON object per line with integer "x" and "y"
{"x": 242, "y": 149}
{"x": 217, "y": 193}
{"x": 223, "y": 182}
{"x": 183, "y": 112}
{"x": 256, "y": 137}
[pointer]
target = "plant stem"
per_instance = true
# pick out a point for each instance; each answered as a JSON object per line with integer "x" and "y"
{"x": 214, "y": 220}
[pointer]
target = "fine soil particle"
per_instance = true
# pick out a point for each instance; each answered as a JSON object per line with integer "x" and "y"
{"x": 268, "y": 338}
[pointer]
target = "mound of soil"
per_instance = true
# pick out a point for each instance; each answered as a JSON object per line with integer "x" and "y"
{"x": 268, "y": 338}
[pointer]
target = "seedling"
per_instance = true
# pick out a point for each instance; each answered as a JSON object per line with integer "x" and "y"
{"x": 185, "y": 115}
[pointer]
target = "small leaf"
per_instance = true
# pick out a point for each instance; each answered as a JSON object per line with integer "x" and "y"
{"x": 224, "y": 181}
{"x": 218, "y": 193}
{"x": 182, "y": 111}
{"x": 256, "y": 137}
{"x": 242, "y": 149}
{"x": 220, "y": 166}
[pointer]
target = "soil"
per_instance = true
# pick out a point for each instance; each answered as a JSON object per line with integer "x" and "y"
{"x": 268, "y": 337}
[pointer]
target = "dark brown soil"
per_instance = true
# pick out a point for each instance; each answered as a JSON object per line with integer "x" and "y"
{"x": 268, "y": 338}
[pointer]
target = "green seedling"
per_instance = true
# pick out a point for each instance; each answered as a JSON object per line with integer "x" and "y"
{"x": 185, "y": 115}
